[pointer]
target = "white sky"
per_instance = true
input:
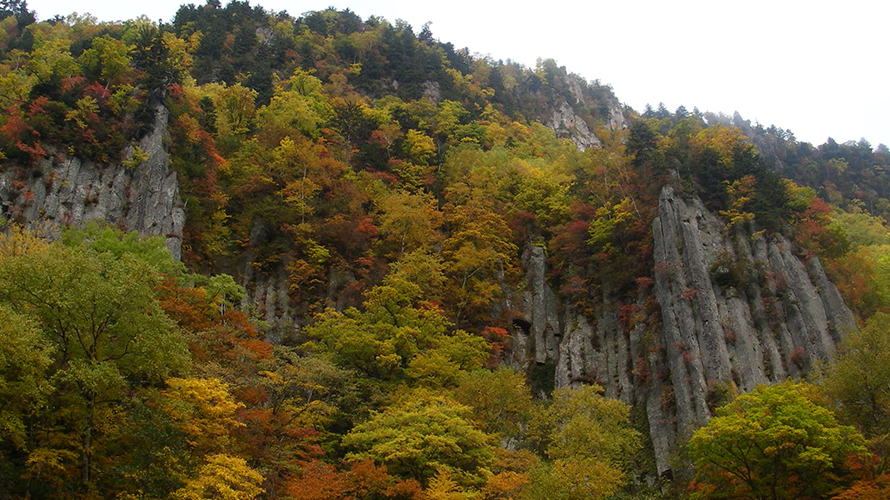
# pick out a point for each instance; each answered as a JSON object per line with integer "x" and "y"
{"x": 815, "y": 67}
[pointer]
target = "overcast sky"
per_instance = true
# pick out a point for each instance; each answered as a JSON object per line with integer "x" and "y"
{"x": 815, "y": 67}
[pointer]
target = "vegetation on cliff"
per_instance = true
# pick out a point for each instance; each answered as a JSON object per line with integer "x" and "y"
{"x": 395, "y": 181}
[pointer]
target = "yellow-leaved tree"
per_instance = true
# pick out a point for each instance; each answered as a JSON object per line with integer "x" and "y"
{"x": 590, "y": 444}
{"x": 223, "y": 477}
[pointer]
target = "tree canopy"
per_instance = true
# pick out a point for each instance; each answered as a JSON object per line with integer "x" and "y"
{"x": 775, "y": 442}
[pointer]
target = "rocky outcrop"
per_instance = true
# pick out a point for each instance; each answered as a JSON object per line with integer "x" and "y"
{"x": 571, "y": 113}
{"x": 63, "y": 190}
{"x": 541, "y": 325}
{"x": 728, "y": 310}
{"x": 566, "y": 123}
{"x": 269, "y": 299}
{"x": 268, "y": 290}
{"x": 432, "y": 90}
{"x": 737, "y": 309}
{"x": 617, "y": 118}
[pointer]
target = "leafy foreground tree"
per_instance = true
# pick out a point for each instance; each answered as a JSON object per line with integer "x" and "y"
{"x": 91, "y": 400}
{"x": 108, "y": 337}
{"x": 224, "y": 477}
{"x": 859, "y": 384}
{"x": 774, "y": 443}
{"x": 589, "y": 441}
{"x": 421, "y": 435}
{"x": 860, "y": 380}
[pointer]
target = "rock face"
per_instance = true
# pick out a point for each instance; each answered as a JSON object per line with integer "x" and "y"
{"x": 563, "y": 119}
{"x": 733, "y": 310}
{"x": 65, "y": 190}
{"x": 543, "y": 323}
{"x": 268, "y": 292}
{"x": 566, "y": 123}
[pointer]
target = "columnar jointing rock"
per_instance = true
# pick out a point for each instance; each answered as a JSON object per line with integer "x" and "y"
{"x": 155, "y": 207}
{"x": 767, "y": 317}
{"x": 736, "y": 310}
{"x": 542, "y": 304}
{"x": 269, "y": 298}
{"x": 65, "y": 191}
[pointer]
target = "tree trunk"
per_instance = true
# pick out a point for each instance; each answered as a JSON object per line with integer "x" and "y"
{"x": 87, "y": 443}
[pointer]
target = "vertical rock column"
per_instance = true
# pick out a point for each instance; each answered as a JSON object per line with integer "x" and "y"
{"x": 155, "y": 206}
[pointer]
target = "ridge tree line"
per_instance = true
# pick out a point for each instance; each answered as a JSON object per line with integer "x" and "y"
{"x": 316, "y": 145}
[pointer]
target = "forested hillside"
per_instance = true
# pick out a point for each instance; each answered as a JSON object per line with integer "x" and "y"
{"x": 252, "y": 255}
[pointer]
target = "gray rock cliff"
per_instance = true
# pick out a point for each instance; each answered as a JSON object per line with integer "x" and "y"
{"x": 64, "y": 190}
{"x": 728, "y": 309}
{"x": 566, "y": 123}
{"x": 562, "y": 116}
{"x": 734, "y": 310}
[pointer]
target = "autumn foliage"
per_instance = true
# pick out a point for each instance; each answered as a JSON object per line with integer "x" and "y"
{"x": 377, "y": 190}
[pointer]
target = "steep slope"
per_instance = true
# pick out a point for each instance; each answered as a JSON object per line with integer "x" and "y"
{"x": 735, "y": 310}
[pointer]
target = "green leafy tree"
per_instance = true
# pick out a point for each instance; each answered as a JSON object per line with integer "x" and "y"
{"x": 51, "y": 60}
{"x": 585, "y": 423}
{"x": 575, "y": 479}
{"x": 383, "y": 340}
{"x": 108, "y": 334}
{"x": 103, "y": 238}
{"x": 107, "y": 60}
{"x": 589, "y": 441}
{"x": 860, "y": 382}
{"x": 478, "y": 254}
{"x": 299, "y": 105}
{"x": 235, "y": 114}
{"x": 398, "y": 334}
{"x": 422, "y": 269}
{"x": 773, "y": 443}
{"x": 25, "y": 357}
{"x": 409, "y": 221}
{"x": 448, "y": 359}
{"x": 501, "y": 401}
{"x": 420, "y": 434}
{"x": 224, "y": 477}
